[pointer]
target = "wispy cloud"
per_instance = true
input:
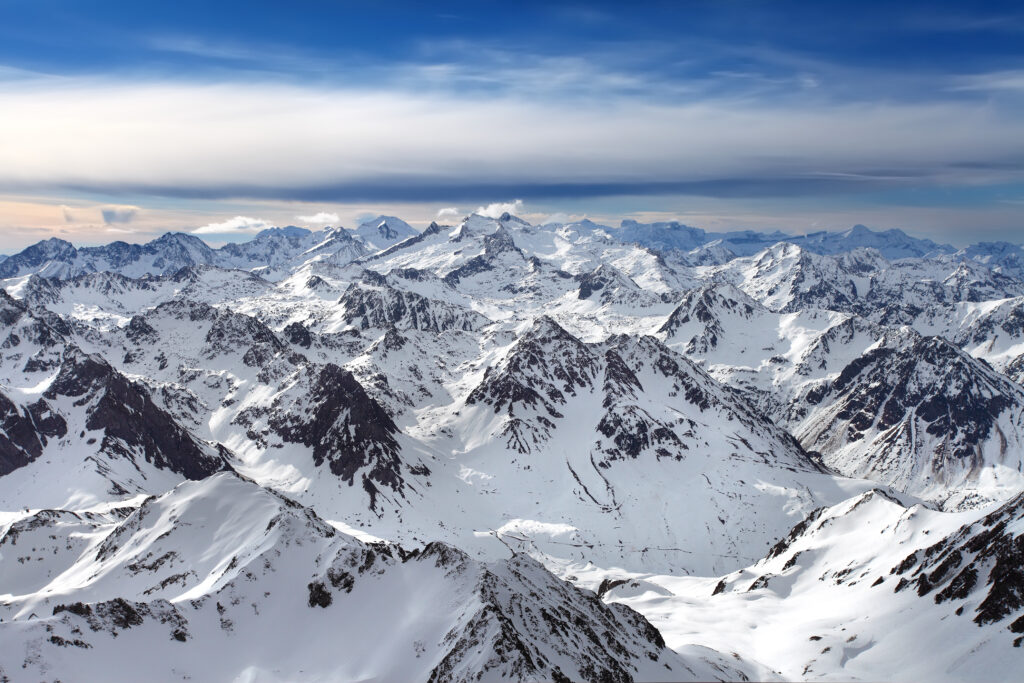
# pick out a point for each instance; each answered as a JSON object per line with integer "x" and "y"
{"x": 238, "y": 224}
{"x": 12, "y": 73}
{"x": 1012, "y": 80}
{"x": 478, "y": 67}
{"x": 321, "y": 218}
{"x": 560, "y": 217}
{"x": 496, "y": 209}
{"x": 967, "y": 22}
{"x": 200, "y": 47}
{"x": 448, "y": 211}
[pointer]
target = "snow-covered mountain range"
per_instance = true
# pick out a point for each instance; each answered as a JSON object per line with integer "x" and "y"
{"x": 497, "y": 450}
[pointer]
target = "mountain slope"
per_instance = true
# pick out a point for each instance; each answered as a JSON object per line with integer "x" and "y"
{"x": 563, "y": 448}
{"x": 384, "y": 231}
{"x": 920, "y": 415}
{"x": 890, "y": 405}
{"x": 75, "y": 427}
{"x": 199, "y": 581}
{"x": 865, "y": 590}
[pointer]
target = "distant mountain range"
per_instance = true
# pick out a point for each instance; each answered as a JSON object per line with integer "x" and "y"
{"x": 501, "y": 450}
{"x": 275, "y": 246}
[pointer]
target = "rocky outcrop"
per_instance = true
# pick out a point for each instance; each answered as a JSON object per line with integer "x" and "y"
{"x": 133, "y": 426}
{"x": 345, "y": 428}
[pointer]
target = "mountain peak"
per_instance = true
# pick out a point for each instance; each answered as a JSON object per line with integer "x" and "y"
{"x": 285, "y": 231}
{"x": 507, "y": 217}
{"x": 178, "y": 237}
{"x": 384, "y": 231}
{"x": 545, "y": 327}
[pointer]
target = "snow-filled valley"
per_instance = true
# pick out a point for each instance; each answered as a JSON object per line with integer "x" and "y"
{"x": 493, "y": 450}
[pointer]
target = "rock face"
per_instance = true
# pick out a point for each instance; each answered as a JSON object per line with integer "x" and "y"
{"x": 982, "y": 564}
{"x": 610, "y": 646}
{"x": 911, "y": 411}
{"x": 703, "y": 313}
{"x": 35, "y": 258}
{"x": 345, "y": 428}
{"x": 994, "y": 333}
{"x": 544, "y": 367}
{"x": 132, "y": 425}
{"x": 610, "y": 286}
{"x": 25, "y": 432}
{"x": 81, "y": 405}
{"x": 919, "y": 415}
{"x": 548, "y": 368}
{"x": 384, "y": 306}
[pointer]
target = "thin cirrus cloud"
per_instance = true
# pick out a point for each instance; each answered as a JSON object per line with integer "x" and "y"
{"x": 302, "y": 142}
{"x": 236, "y": 225}
{"x": 1010, "y": 80}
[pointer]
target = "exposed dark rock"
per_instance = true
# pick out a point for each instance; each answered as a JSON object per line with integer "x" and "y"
{"x": 38, "y": 254}
{"x": 79, "y": 608}
{"x": 929, "y": 407}
{"x": 573, "y": 624}
{"x": 548, "y": 358}
{"x": 608, "y": 584}
{"x": 297, "y": 333}
{"x": 432, "y": 229}
{"x": 319, "y": 596}
{"x": 384, "y": 306}
{"x": 545, "y": 366}
{"x": 132, "y": 424}
{"x": 984, "y": 559}
{"x": 345, "y": 428}
{"x": 24, "y": 432}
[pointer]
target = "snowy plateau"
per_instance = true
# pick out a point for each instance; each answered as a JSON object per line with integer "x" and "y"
{"x": 494, "y": 450}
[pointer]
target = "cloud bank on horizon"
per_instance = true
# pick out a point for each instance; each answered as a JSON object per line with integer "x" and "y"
{"x": 870, "y": 107}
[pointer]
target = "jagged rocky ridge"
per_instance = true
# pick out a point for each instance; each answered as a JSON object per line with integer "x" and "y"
{"x": 912, "y": 411}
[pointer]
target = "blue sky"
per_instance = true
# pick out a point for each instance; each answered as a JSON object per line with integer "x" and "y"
{"x": 121, "y": 120}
